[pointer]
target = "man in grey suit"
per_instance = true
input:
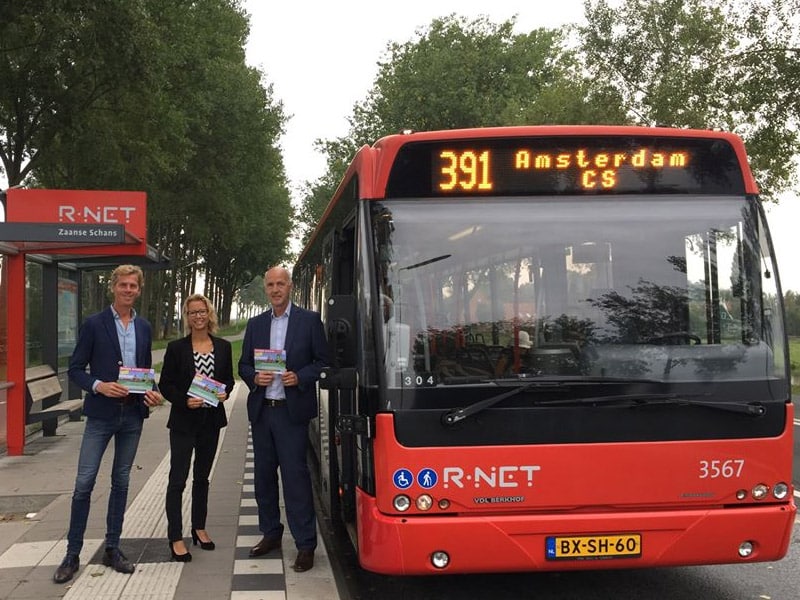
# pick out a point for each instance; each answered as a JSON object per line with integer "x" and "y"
{"x": 108, "y": 340}
{"x": 280, "y": 405}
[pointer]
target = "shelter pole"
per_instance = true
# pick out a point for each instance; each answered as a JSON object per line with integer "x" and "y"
{"x": 15, "y": 310}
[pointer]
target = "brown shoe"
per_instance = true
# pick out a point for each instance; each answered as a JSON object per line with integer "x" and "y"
{"x": 265, "y": 546}
{"x": 304, "y": 561}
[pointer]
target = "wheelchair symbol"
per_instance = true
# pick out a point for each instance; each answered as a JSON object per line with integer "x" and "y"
{"x": 403, "y": 478}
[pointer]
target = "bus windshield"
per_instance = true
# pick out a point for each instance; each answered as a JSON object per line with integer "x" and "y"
{"x": 658, "y": 287}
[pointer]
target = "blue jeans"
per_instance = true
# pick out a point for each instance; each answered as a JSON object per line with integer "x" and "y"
{"x": 125, "y": 428}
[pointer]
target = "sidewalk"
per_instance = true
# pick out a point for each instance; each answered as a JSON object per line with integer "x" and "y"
{"x": 35, "y": 496}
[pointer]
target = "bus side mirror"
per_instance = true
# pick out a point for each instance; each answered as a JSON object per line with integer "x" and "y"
{"x": 341, "y": 330}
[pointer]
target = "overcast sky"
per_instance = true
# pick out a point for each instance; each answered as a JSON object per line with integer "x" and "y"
{"x": 322, "y": 58}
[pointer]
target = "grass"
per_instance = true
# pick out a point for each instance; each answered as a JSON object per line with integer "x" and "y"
{"x": 794, "y": 358}
{"x": 794, "y": 354}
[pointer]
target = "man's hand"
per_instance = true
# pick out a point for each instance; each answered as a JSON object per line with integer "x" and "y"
{"x": 153, "y": 398}
{"x": 289, "y": 378}
{"x": 112, "y": 389}
{"x": 264, "y": 378}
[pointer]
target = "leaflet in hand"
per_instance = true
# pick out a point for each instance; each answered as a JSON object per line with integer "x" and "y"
{"x": 137, "y": 380}
{"x": 206, "y": 389}
{"x": 269, "y": 360}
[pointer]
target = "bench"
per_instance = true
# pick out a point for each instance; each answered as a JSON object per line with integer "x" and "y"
{"x": 43, "y": 403}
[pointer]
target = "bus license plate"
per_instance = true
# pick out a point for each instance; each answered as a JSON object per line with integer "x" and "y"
{"x": 592, "y": 547}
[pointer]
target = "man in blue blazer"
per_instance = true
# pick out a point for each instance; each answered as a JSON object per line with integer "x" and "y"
{"x": 108, "y": 340}
{"x": 280, "y": 405}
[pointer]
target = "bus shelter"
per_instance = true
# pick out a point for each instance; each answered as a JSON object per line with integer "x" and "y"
{"x": 84, "y": 229}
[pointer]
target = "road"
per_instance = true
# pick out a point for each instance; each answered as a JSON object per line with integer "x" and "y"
{"x": 758, "y": 581}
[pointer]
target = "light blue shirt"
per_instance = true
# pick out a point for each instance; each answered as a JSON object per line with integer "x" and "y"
{"x": 127, "y": 338}
{"x": 277, "y": 341}
{"x": 127, "y": 341}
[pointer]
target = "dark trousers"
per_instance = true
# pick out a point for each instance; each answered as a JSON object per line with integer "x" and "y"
{"x": 204, "y": 445}
{"x": 279, "y": 443}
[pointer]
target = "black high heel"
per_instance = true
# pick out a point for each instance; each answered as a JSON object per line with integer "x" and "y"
{"x": 179, "y": 557}
{"x": 209, "y": 545}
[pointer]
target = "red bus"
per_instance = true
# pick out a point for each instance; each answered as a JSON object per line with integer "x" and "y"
{"x": 554, "y": 348}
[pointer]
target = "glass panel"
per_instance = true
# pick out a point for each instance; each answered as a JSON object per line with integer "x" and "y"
{"x": 67, "y": 316}
{"x": 649, "y": 287}
{"x": 34, "y": 334}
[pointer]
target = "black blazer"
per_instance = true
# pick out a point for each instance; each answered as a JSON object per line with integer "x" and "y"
{"x": 176, "y": 377}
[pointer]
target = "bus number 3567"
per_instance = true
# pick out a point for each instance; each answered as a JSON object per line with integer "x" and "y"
{"x": 713, "y": 469}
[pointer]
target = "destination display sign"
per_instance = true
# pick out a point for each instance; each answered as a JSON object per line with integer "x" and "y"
{"x": 565, "y": 165}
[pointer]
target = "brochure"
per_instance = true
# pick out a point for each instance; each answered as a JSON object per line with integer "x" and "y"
{"x": 206, "y": 389}
{"x": 138, "y": 381}
{"x": 269, "y": 360}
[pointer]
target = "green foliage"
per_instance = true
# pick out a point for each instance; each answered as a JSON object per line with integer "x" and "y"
{"x": 152, "y": 95}
{"x": 794, "y": 357}
{"x": 459, "y": 73}
{"x": 61, "y": 60}
{"x": 706, "y": 64}
{"x": 156, "y": 95}
{"x": 791, "y": 302}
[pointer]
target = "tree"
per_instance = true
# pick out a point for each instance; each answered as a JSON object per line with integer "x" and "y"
{"x": 706, "y": 64}
{"x": 460, "y": 73}
{"x": 791, "y": 301}
{"x": 59, "y": 60}
{"x": 198, "y": 130}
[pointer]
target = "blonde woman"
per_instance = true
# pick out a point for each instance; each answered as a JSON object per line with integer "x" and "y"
{"x": 194, "y": 423}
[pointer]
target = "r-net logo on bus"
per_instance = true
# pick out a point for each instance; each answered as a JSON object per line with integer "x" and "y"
{"x": 500, "y": 476}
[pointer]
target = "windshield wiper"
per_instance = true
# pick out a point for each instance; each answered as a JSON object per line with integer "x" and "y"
{"x": 451, "y": 417}
{"x": 754, "y": 409}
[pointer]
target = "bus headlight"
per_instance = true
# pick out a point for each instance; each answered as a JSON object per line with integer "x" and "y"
{"x": 440, "y": 559}
{"x": 402, "y": 503}
{"x": 780, "y": 491}
{"x": 760, "y": 491}
{"x": 745, "y": 549}
{"x": 424, "y": 502}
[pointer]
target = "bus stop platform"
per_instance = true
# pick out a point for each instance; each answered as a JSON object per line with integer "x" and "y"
{"x": 35, "y": 499}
